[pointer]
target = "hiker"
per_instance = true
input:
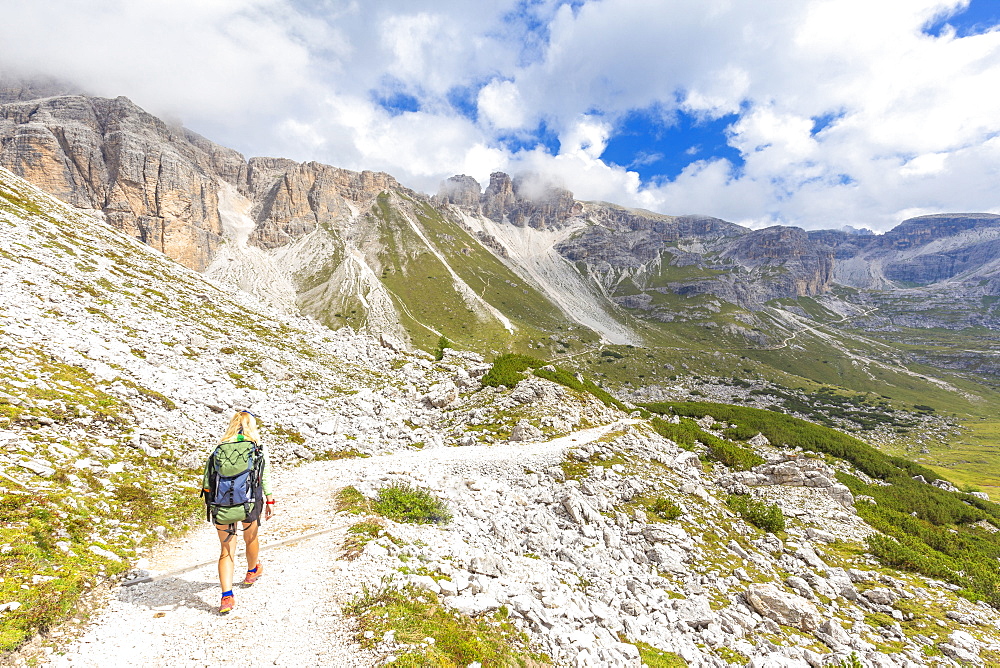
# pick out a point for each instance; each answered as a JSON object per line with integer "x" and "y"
{"x": 236, "y": 486}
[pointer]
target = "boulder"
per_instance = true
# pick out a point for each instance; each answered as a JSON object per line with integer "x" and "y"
{"x": 442, "y": 394}
{"x": 687, "y": 462}
{"x": 525, "y": 431}
{"x": 880, "y": 596}
{"x": 833, "y": 635}
{"x": 783, "y": 607}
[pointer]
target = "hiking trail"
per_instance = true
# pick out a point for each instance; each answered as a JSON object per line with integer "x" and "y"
{"x": 293, "y": 615}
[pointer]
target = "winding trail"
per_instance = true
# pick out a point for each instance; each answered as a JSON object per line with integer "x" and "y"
{"x": 293, "y": 615}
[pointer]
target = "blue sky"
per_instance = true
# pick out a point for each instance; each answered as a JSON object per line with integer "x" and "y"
{"x": 978, "y": 17}
{"x": 790, "y": 111}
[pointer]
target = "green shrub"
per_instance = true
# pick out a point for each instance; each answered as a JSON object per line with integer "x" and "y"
{"x": 404, "y": 503}
{"x": 732, "y": 455}
{"x": 687, "y": 434}
{"x": 766, "y": 516}
{"x": 508, "y": 369}
{"x": 568, "y": 379}
{"x": 850, "y": 662}
{"x": 781, "y": 429}
{"x": 415, "y": 614}
{"x": 663, "y": 508}
{"x": 443, "y": 343}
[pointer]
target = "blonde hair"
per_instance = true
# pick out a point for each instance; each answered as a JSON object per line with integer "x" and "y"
{"x": 244, "y": 423}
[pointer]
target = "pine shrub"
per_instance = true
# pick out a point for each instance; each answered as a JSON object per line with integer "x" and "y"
{"x": 766, "y": 516}
{"x": 404, "y": 503}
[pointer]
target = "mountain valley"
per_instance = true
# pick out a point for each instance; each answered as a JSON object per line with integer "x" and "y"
{"x": 614, "y": 405}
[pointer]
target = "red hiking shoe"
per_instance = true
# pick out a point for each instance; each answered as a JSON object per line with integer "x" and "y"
{"x": 254, "y": 575}
{"x": 228, "y": 603}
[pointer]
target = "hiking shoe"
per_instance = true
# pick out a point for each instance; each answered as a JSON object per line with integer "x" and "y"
{"x": 228, "y": 603}
{"x": 252, "y": 577}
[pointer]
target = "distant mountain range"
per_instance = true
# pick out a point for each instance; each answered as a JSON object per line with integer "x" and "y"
{"x": 518, "y": 264}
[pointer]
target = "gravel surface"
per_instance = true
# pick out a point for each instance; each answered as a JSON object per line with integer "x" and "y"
{"x": 290, "y": 617}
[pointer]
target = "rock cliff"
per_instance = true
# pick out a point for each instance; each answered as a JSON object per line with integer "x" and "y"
{"x": 155, "y": 182}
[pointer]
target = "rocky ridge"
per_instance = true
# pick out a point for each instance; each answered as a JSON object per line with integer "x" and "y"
{"x": 359, "y": 249}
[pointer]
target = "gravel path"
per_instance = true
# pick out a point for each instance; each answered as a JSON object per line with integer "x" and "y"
{"x": 292, "y": 616}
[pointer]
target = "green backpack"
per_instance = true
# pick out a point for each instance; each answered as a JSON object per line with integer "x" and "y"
{"x": 232, "y": 484}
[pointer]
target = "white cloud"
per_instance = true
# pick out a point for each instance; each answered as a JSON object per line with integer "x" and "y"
{"x": 915, "y": 129}
{"x": 500, "y": 105}
{"x": 587, "y": 138}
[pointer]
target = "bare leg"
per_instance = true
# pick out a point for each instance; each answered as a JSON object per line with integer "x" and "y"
{"x": 253, "y": 547}
{"x": 226, "y": 552}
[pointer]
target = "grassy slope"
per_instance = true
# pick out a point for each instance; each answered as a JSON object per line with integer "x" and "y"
{"x": 685, "y": 348}
{"x": 423, "y": 289}
{"x": 420, "y": 282}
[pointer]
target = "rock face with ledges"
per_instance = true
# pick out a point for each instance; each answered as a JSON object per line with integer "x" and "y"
{"x": 522, "y": 201}
{"x": 153, "y": 181}
{"x": 291, "y": 199}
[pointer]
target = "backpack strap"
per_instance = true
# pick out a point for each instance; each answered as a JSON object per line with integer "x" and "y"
{"x": 257, "y": 483}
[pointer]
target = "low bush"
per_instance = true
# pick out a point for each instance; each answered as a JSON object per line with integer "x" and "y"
{"x": 781, "y": 429}
{"x": 663, "y": 508}
{"x": 508, "y": 369}
{"x": 443, "y": 343}
{"x": 687, "y": 434}
{"x": 732, "y": 455}
{"x": 404, "y": 503}
{"x": 568, "y": 379}
{"x": 415, "y": 614}
{"x": 766, "y": 516}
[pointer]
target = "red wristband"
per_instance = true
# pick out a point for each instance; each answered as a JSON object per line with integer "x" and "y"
{"x": 270, "y": 503}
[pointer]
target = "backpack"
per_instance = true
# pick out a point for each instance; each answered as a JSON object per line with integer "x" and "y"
{"x": 232, "y": 486}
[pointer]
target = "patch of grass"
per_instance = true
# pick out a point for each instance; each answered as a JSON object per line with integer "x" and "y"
{"x": 359, "y": 535}
{"x": 663, "y": 508}
{"x": 334, "y": 455}
{"x": 658, "y": 658}
{"x": 287, "y": 434}
{"x": 762, "y": 515}
{"x": 404, "y": 503}
{"x": 153, "y": 395}
{"x": 350, "y": 500}
{"x": 456, "y": 640}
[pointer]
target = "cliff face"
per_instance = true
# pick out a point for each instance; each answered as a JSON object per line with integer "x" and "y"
{"x": 345, "y": 254}
{"x": 523, "y": 201}
{"x": 291, "y": 199}
{"x": 806, "y": 267}
{"x": 155, "y": 182}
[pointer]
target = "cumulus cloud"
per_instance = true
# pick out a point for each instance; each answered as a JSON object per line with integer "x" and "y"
{"x": 846, "y": 111}
{"x": 500, "y": 105}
